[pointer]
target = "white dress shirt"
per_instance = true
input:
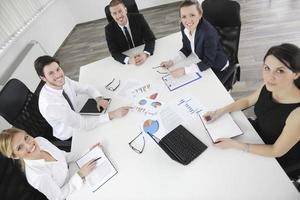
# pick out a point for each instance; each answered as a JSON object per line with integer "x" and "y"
{"x": 58, "y": 113}
{"x": 49, "y": 177}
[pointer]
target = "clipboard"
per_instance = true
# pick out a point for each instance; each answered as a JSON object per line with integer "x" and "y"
{"x": 175, "y": 83}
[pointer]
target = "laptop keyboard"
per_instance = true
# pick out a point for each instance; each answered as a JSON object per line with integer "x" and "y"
{"x": 184, "y": 144}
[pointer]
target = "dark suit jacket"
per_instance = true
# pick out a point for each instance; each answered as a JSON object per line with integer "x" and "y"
{"x": 140, "y": 31}
{"x": 207, "y": 47}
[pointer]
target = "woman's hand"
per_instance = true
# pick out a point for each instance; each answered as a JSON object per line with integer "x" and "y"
{"x": 178, "y": 72}
{"x": 95, "y": 145}
{"x": 120, "y": 112}
{"x": 166, "y": 64}
{"x": 211, "y": 116}
{"x": 87, "y": 168}
{"x": 227, "y": 143}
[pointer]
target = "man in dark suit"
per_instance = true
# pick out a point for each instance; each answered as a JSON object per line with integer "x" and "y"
{"x": 128, "y": 31}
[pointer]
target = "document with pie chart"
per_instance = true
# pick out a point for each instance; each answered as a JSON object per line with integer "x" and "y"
{"x": 148, "y": 107}
{"x": 162, "y": 124}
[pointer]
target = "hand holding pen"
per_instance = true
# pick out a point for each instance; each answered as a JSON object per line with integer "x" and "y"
{"x": 166, "y": 64}
{"x": 87, "y": 168}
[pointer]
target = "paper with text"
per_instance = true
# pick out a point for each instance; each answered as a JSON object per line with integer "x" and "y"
{"x": 147, "y": 107}
{"x": 162, "y": 124}
{"x": 223, "y": 127}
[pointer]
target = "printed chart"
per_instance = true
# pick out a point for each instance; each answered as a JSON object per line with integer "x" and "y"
{"x": 151, "y": 126}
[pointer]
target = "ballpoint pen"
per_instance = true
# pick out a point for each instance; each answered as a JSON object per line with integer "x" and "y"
{"x": 97, "y": 159}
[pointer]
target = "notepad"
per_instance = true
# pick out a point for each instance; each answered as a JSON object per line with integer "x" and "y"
{"x": 102, "y": 173}
{"x": 223, "y": 127}
{"x": 90, "y": 107}
{"x": 175, "y": 83}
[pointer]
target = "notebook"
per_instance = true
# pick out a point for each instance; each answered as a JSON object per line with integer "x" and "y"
{"x": 223, "y": 127}
{"x": 181, "y": 145}
{"x": 90, "y": 107}
{"x": 175, "y": 83}
{"x": 103, "y": 172}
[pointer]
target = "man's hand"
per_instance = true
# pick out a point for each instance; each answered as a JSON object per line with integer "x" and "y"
{"x": 118, "y": 113}
{"x": 101, "y": 103}
{"x": 140, "y": 58}
{"x": 132, "y": 60}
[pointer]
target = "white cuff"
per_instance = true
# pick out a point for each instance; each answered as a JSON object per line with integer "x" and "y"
{"x": 193, "y": 68}
{"x": 146, "y": 52}
{"x": 179, "y": 57}
{"x": 76, "y": 181}
{"x": 126, "y": 60}
{"x": 104, "y": 118}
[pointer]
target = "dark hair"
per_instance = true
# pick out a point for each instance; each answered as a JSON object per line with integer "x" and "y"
{"x": 289, "y": 55}
{"x": 187, "y": 3}
{"x": 41, "y": 62}
{"x": 116, "y": 2}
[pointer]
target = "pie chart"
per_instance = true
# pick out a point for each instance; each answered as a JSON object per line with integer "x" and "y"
{"x": 153, "y": 96}
{"x": 151, "y": 126}
{"x": 142, "y": 102}
{"x": 156, "y": 104}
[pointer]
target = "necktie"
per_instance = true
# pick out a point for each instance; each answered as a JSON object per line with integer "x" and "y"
{"x": 68, "y": 100}
{"x": 129, "y": 40}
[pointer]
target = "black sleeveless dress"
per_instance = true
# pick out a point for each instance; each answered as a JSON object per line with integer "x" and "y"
{"x": 270, "y": 121}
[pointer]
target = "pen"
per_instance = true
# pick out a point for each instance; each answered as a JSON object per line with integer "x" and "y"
{"x": 97, "y": 159}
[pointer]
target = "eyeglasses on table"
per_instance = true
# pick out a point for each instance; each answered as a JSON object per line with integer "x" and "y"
{"x": 166, "y": 71}
{"x": 110, "y": 86}
{"x": 137, "y": 144}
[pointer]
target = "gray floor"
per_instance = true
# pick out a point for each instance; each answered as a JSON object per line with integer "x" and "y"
{"x": 264, "y": 23}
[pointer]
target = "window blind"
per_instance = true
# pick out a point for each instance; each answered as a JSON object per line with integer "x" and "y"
{"x": 16, "y": 16}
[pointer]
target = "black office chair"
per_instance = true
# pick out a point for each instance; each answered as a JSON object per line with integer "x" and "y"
{"x": 13, "y": 183}
{"x": 224, "y": 15}
{"x": 19, "y": 107}
{"x": 130, "y": 5}
{"x": 293, "y": 171}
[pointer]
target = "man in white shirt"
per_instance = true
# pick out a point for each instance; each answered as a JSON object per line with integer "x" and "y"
{"x": 57, "y": 100}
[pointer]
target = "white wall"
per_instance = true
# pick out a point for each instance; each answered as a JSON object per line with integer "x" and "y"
{"x": 50, "y": 30}
{"x": 88, "y": 10}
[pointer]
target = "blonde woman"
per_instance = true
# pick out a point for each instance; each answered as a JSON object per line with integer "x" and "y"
{"x": 45, "y": 166}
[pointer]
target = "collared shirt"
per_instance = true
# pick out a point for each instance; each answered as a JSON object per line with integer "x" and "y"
{"x": 193, "y": 68}
{"x": 58, "y": 113}
{"x": 50, "y": 177}
{"x": 126, "y": 60}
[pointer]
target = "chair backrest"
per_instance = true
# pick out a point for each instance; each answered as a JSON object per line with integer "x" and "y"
{"x": 224, "y": 15}
{"x": 13, "y": 183}
{"x": 130, "y": 5}
{"x": 12, "y": 97}
{"x": 19, "y": 106}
